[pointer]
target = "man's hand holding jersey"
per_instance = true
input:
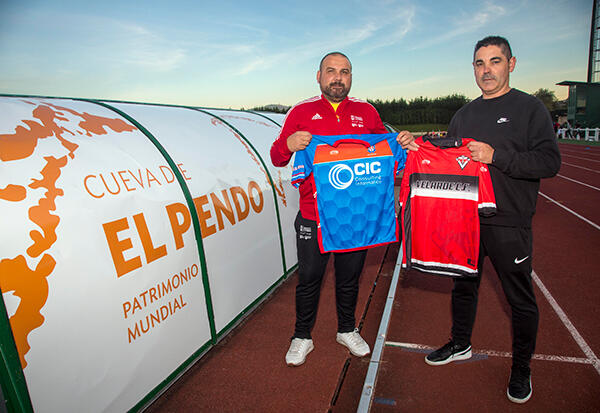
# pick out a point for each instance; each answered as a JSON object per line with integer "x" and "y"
{"x": 298, "y": 141}
{"x": 407, "y": 140}
{"x": 481, "y": 152}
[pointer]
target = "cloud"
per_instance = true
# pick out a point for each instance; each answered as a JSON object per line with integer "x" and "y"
{"x": 402, "y": 21}
{"x": 371, "y": 28}
{"x": 95, "y": 41}
{"x": 466, "y": 23}
{"x": 427, "y": 81}
{"x": 148, "y": 49}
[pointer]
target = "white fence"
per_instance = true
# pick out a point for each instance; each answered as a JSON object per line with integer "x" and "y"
{"x": 586, "y": 134}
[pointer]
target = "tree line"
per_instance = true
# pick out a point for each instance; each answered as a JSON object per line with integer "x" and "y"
{"x": 419, "y": 110}
{"x": 424, "y": 110}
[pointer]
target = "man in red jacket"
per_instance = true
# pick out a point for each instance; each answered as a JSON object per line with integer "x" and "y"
{"x": 332, "y": 113}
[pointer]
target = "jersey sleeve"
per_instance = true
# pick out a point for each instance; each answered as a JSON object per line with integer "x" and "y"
{"x": 487, "y": 199}
{"x": 405, "y": 183}
{"x": 399, "y": 153}
{"x": 405, "y": 213}
{"x": 301, "y": 169}
{"x": 409, "y": 165}
{"x": 303, "y": 163}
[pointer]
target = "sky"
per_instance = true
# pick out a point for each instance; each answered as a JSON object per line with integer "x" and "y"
{"x": 243, "y": 54}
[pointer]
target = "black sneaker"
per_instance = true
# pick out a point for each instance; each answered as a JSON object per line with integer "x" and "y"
{"x": 519, "y": 387}
{"x": 448, "y": 353}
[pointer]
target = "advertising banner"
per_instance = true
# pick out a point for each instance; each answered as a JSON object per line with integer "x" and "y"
{"x": 107, "y": 289}
{"x": 264, "y": 132}
{"x": 234, "y": 200}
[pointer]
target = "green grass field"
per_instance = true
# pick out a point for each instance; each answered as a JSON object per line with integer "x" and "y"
{"x": 422, "y": 127}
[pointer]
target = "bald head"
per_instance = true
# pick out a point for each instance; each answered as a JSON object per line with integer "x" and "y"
{"x": 334, "y": 54}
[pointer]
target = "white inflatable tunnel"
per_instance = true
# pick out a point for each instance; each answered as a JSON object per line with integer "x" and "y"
{"x": 133, "y": 237}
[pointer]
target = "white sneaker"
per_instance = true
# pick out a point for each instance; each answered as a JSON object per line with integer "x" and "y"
{"x": 299, "y": 349}
{"x": 354, "y": 342}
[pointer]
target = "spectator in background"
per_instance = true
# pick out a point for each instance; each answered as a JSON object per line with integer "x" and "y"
{"x": 568, "y": 130}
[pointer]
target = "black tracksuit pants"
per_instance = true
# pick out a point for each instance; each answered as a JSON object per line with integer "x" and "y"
{"x": 510, "y": 251}
{"x": 311, "y": 268}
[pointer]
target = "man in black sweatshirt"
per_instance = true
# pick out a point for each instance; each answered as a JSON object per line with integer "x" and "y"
{"x": 514, "y": 135}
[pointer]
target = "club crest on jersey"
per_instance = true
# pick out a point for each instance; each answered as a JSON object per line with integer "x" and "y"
{"x": 462, "y": 161}
{"x": 371, "y": 149}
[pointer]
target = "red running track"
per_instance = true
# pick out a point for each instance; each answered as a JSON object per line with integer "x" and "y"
{"x": 565, "y": 370}
{"x": 246, "y": 372}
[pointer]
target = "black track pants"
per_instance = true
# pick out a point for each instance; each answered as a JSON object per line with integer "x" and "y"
{"x": 311, "y": 268}
{"x": 510, "y": 250}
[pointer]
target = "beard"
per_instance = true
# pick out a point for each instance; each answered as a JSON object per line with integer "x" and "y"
{"x": 335, "y": 92}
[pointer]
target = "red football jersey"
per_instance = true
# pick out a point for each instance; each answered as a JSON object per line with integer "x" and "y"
{"x": 443, "y": 192}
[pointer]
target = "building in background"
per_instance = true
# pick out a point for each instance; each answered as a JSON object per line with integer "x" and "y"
{"x": 583, "y": 107}
{"x": 594, "y": 59}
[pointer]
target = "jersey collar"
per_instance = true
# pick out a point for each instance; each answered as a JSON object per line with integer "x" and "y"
{"x": 341, "y": 106}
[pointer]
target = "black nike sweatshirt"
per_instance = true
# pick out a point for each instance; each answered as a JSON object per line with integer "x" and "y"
{"x": 519, "y": 128}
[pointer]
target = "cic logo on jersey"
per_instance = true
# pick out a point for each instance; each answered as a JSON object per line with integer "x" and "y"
{"x": 341, "y": 175}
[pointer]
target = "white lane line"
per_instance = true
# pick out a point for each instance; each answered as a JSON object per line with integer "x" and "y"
{"x": 578, "y": 182}
{"x": 571, "y": 211}
{"x": 493, "y": 353}
{"x": 581, "y": 167}
{"x": 578, "y": 157}
{"x": 563, "y": 317}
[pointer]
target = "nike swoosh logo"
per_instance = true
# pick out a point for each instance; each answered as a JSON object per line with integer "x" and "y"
{"x": 518, "y": 261}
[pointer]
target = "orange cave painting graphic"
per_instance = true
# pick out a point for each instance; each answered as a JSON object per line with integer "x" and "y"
{"x": 25, "y": 275}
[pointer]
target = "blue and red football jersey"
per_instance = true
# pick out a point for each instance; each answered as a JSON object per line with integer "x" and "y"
{"x": 354, "y": 188}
